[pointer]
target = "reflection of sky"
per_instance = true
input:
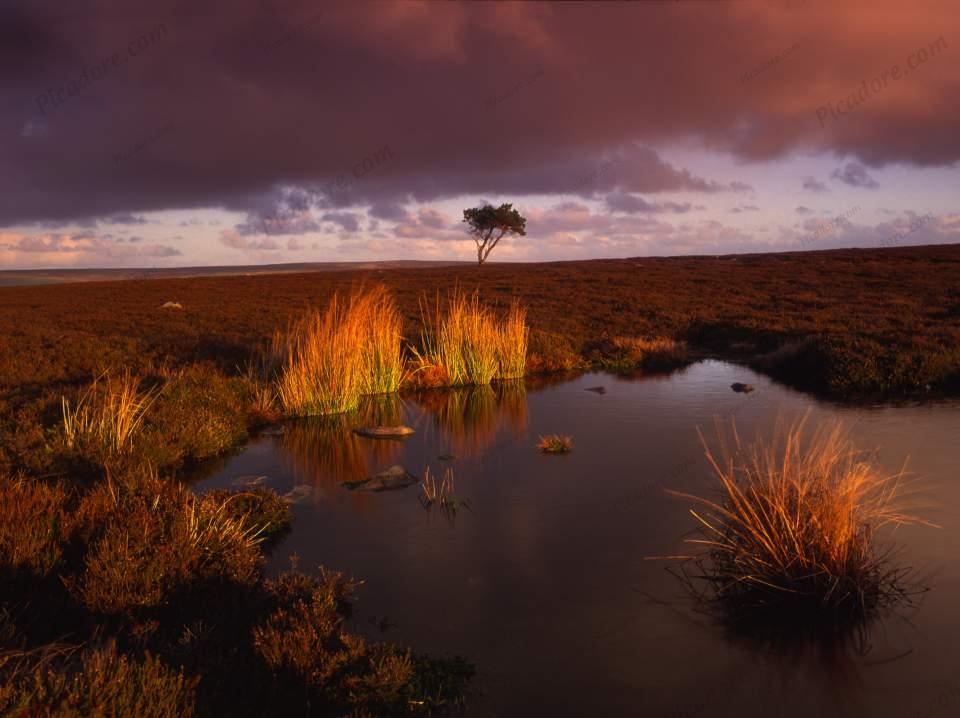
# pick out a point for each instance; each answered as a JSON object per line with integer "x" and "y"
{"x": 544, "y": 585}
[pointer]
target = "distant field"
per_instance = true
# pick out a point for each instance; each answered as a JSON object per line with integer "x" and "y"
{"x": 26, "y": 277}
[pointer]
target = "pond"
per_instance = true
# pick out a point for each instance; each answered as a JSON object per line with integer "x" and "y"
{"x": 544, "y": 580}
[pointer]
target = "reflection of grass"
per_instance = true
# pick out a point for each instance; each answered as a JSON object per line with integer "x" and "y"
{"x": 324, "y": 451}
{"x": 555, "y": 444}
{"x": 471, "y": 417}
{"x": 793, "y": 531}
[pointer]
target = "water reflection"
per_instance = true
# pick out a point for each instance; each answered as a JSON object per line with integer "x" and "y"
{"x": 471, "y": 418}
{"x": 323, "y": 453}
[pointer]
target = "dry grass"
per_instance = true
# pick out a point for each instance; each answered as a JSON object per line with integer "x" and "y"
{"x": 107, "y": 416}
{"x": 555, "y": 444}
{"x": 382, "y": 361}
{"x": 329, "y": 359}
{"x": 320, "y": 360}
{"x": 512, "y": 345}
{"x": 795, "y": 527}
{"x": 468, "y": 345}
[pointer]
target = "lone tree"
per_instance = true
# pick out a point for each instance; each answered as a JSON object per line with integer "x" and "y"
{"x": 488, "y": 224}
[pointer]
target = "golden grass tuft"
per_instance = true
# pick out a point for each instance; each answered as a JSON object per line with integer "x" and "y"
{"x": 107, "y": 416}
{"x": 329, "y": 359}
{"x": 794, "y": 529}
{"x": 555, "y": 444}
{"x": 382, "y": 360}
{"x": 513, "y": 336}
{"x": 468, "y": 345}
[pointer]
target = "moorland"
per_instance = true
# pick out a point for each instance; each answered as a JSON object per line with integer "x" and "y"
{"x": 123, "y": 590}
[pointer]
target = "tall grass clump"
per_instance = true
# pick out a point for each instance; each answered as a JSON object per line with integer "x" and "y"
{"x": 320, "y": 362}
{"x": 793, "y": 532}
{"x": 467, "y": 345}
{"x": 381, "y": 359}
{"x": 107, "y": 416}
{"x": 512, "y": 345}
{"x": 329, "y": 359}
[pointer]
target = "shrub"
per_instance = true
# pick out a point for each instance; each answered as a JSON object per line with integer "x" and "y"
{"x": 97, "y": 682}
{"x": 200, "y": 414}
{"x": 31, "y": 526}
{"x": 647, "y": 353}
{"x": 793, "y": 531}
{"x": 550, "y": 352}
{"x": 149, "y": 539}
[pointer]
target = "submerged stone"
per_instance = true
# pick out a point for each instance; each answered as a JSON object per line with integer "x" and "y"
{"x": 597, "y": 389}
{"x": 741, "y": 388}
{"x": 298, "y": 494}
{"x": 251, "y": 480}
{"x": 396, "y": 477}
{"x": 384, "y": 432}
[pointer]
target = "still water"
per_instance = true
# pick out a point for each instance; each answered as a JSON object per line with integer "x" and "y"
{"x": 544, "y": 581}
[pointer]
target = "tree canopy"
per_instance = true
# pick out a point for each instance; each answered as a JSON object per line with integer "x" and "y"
{"x": 487, "y": 225}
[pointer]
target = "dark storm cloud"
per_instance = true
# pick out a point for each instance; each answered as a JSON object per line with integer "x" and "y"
{"x": 855, "y": 175}
{"x": 283, "y": 95}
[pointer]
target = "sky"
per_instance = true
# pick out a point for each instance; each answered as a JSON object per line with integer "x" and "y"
{"x": 161, "y": 133}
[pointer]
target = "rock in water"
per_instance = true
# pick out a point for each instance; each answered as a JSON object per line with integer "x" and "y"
{"x": 597, "y": 389}
{"x": 298, "y": 494}
{"x": 384, "y": 432}
{"x": 396, "y": 477}
{"x": 741, "y": 388}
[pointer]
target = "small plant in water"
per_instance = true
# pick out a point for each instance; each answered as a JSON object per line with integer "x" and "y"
{"x": 441, "y": 494}
{"x": 792, "y": 536}
{"x": 555, "y": 444}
